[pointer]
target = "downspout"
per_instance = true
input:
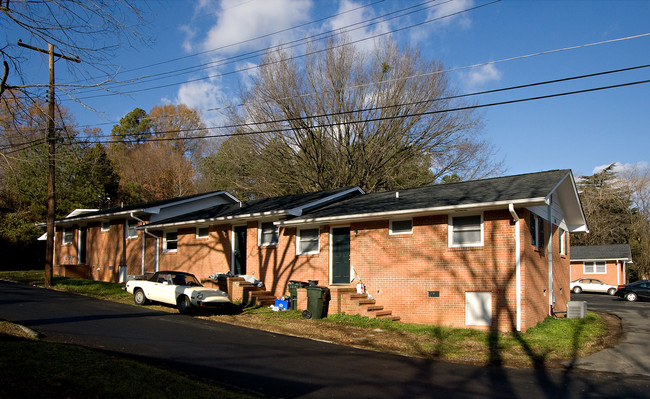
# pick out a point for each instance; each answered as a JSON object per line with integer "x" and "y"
{"x": 515, "y": 217}
{"x": 144, "y": 245}
{"x": 551, "y": 296}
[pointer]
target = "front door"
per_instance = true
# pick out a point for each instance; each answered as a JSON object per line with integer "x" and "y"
{"x": 341, "y": 255}
{"x": 239, "y": 255}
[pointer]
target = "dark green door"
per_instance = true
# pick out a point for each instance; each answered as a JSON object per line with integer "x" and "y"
{"x": 239, "y": 260}
{"x": 341, "y": 255}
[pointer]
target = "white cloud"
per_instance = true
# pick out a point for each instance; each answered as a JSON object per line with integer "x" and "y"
{"x": 621, "y": 168}
{"x": 479, "y": 76}
{"x": 452, "y": 11}
{"x": 202, "y": 96}
{"x": 237, "y": 23}
{"x": 348, "y": 24}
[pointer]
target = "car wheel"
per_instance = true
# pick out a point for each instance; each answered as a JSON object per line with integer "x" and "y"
{"x": 184, "y": 304}
{"x": 631, "y": 296}
{"x": 611, "y": 291}
{"x": 139, "y": 297}
{"x": 577, "y": 290}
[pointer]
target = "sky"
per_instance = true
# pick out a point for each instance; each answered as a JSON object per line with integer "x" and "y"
{"x": 484, "y": 44}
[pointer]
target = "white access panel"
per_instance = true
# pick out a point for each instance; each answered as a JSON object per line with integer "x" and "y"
{"x": 478, "y": 308}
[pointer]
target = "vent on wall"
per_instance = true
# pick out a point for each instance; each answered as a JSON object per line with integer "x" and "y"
{"x": 433, "y": 294}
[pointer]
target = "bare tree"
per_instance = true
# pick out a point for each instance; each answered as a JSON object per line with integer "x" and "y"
{"x": 90, "y": 30}
{"x": 374, "y": 119}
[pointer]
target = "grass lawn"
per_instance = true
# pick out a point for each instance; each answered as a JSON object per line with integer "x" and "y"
{"x": 546, "y": 345}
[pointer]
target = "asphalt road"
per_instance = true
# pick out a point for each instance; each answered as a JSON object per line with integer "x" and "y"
{"x": 632, "y": 354}
{"x": 282, "y": 366}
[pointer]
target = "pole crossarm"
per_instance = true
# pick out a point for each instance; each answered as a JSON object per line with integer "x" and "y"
{"x": 40, "y": 50}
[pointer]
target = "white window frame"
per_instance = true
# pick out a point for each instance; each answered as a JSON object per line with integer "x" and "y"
{"x": 129, "y": 224}
{"x": 450, "y": 231}
{"x": 394, "y": 233}
{"x": 67, "y": 235}
{"x": 200, "y": 236}
{"x": 594, "y": 267}
{"x": 260, "y": 243}
{"x": 105, "y": 223}
{"x": 299, "y": 250}
{"x": 166, "y": 241}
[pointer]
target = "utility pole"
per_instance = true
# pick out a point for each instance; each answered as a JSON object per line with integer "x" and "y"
{"x": 51, "y": 157}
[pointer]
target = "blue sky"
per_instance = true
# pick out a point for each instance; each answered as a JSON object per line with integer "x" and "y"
{"x": 580, "y": 132}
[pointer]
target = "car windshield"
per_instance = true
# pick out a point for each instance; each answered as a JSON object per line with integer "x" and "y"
{"x": 176, "y": 279}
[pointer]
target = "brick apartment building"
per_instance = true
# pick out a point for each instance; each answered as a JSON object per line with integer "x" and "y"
{"x": 486, "y": 254}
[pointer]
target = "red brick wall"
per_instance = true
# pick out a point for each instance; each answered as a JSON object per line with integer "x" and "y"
{"x": 399, "y": 270}
{"x": 199, "y": 256}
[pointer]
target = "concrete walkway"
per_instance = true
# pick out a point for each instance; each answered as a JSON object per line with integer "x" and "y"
{"x": 632, "y": 354}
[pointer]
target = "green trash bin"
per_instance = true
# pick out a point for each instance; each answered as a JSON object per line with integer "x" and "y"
{"x": 293, "y": 292}
{"x": 316, "y": 302}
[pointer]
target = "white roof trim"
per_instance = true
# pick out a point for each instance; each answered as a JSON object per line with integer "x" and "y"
{"x": 418, "y": 211}
{"x": 600, "y": 259}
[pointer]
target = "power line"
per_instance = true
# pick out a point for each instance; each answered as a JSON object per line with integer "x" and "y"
{"x": 294, "y": 57}
{"x": 251, "y": 39}
{"x": 469, "y": 107}
{"x": 447, "y": 98}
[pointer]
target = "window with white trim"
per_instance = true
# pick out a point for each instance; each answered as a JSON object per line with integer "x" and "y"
{"x": 401, "y": 227}
{"x": 595, "y": 268}
{"x": 308, "y": 241}
{"x": 202, "y": 232}
{"x": 562, "y": 243}
{"x": 131, "y": 231}
{"x": 533, "y": 229}
{"x": 106, "y": 226}
{"x": 170, "y": 241}
{"x": 466, "y": 231}
{"x": 68, "y": 235}
{"x": 268, "y": 234}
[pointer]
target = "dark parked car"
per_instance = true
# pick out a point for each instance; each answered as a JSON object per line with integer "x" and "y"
{"x": 633, "y": 291}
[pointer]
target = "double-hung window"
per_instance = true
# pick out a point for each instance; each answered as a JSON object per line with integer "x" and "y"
{"x": 533, "y": 229}
{"x": 562, "y": 244}
{"x": 131, "y": 231}
{"x": 401, "y": 227}
{"x": 595, "y": 268}
{"x": 466, "y": 231}
{"x": 68, "y": 234}
{"x": 308, "y": 241}
{"x": 268, "y": 233}
{"x": 170, "y": 241}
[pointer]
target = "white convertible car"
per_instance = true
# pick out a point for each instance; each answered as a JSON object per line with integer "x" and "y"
{"x": 175, "y": 288}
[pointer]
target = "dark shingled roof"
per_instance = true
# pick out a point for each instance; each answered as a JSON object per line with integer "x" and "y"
{"x": 593, "y": 252}
{"x": 525, "y": 186}
{"x": 266, "y": 205}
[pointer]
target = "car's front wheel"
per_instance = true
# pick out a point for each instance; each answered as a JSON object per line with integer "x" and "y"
{"x": 139, "y": 297}
{"x": 631, "y": 296}
{"x": 611, "y": 291}
{"x": 184, "y": 304}
{"x": 577, "y": 290}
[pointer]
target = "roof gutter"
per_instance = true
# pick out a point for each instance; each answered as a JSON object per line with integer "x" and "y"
{"x": 236, "y": 218}
{"x": 439, "y": 209}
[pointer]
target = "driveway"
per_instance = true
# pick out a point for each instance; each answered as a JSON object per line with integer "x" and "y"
{"x": 282, "y": 366}
{"x": 632, "y": 354}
